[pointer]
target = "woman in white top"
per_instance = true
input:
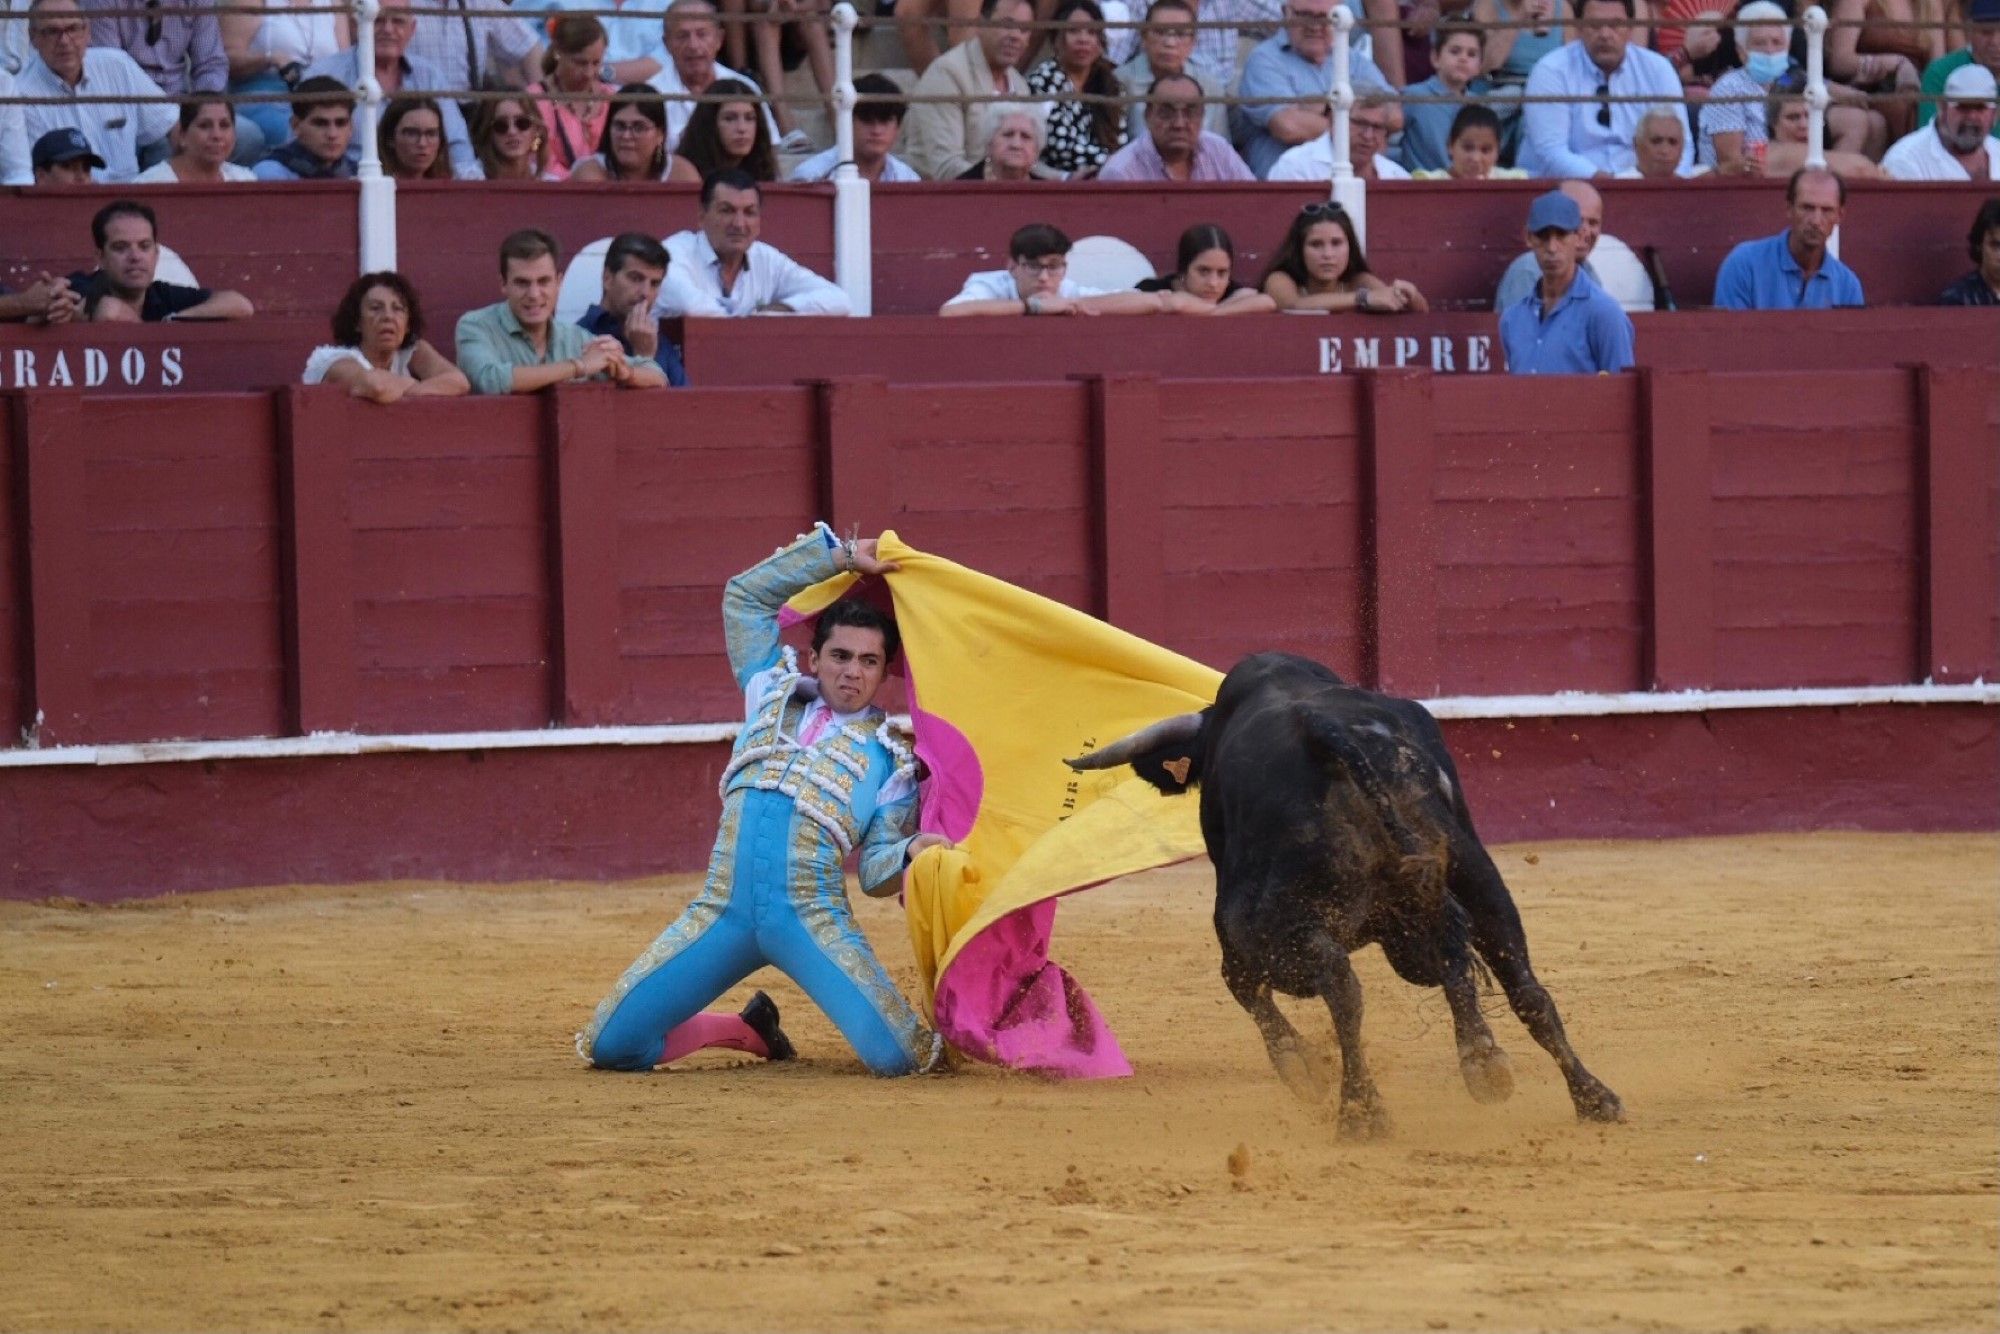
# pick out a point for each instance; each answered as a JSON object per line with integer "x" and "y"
{"x": 268, "y": 51}
{"x": 207, "y": 141}
{"x": 378, "y": 350}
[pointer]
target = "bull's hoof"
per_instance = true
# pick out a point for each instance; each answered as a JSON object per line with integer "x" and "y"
{"x": 1363, "y": 1120}
{"x": 1489, "y": 1075}
{"x": 1595, "y": 1102}
{"x": 1303, "y": 1072}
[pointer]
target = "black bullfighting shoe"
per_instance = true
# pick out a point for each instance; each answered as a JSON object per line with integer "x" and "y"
{"x": 762, "y": 1016}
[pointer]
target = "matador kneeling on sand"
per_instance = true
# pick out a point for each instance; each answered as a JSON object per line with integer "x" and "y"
{"x": 815, "y": 776}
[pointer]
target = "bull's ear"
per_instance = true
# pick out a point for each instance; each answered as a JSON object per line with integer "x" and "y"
{"x": 1178, "y": 768}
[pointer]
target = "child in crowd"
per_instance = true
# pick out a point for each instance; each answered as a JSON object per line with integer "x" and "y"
{"x": 1456, "y": 50}
{"x": 1474, "y": 147}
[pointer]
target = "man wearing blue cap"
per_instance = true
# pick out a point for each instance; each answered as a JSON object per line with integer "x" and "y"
{"x": 1567, "y": 325}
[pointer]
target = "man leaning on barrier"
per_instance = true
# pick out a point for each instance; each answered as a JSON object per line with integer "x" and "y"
{"x": 517, "y": 345}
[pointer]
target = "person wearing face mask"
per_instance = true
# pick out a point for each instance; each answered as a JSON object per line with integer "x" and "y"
{"x": 1954, "y": 147}
{"x": 378, "y": 350}
{"x": 1732, "y": 119}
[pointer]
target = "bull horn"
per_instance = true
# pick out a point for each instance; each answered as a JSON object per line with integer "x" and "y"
{"x": 1166, "y": 732}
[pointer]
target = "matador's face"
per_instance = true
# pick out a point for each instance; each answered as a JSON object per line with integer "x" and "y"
{"x": 850, "y": 667}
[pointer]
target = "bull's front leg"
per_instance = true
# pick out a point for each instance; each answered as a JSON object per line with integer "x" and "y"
{"x": 1362, "y": 1115}
{"x": 1296, "y": 1063}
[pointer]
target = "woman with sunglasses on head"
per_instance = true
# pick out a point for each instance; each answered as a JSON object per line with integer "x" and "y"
{"x": 512, "y": 142}
{"x": 570, "y": 67}
{"x": 1204, "y": 277}
{"x": 730, "y": 135}
{"x": 411, "y": 141}
{"x": 1319, "y": 266}
{"x": 207, "y": 141}
{"x": 634, "y": 144}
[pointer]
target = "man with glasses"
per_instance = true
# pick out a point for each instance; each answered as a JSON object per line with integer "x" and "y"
{"x": 397, "y": 71}
{"x": 1369, "y": 125}
{"x": 65, "y": 66}
{"x": 1165, "y": 46}
{"x": 1036, "y": 281}
{"x": 1605, "y": 83}
{"x": 1174, "y": 146}
{"x": 692, "y": 33}
{"x": 1294, "y": 69}
{"x": 941, "y": 139}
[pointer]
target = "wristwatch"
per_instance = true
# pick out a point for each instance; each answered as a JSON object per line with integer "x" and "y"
{"x": 1031, "y": 305}
{"x": 1361, "y": 298}
{"x": 607, "y": 72}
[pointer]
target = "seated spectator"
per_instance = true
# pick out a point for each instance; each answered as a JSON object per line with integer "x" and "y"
{"x": 1567, "y": 325}
{"x": 693, "y": 36}
{"x": 723, "y": 270}
{"x": 50, "y": 300}
{"x": 1369, "y": 125}
{"x": 1733, "y": 118}
{"x": 1171, "y": 145}
{"x": 1013, "y": 134}
{"x": 1297, "y": 63}
{"x": 517, "y": 346}
{"x": 15, "y": 162}
{"x": 378, "y": 350}
{"x": 63, "y": 157}
{"x": 633, "y": 146}
{"x": 177, "y": 45}
{"x": 1592, "y": 135}
{"x": 1954, "y": 147}
{"x": 635, "y": 265}
{"x": 1875, "y": 59}
{"x": 205, "y": 149}
{"x": 1474, "y": 148}
{"x": 1511, "y": 54}
{"x": 410, "y": 140}
{"x": 939, "y": 138}
{"x": 65, "y": 66}
{"x": 877, "y": 122}
{"x": 1659, "y": 148}
{"x": 1164, "y": 46}
{"x": 1427, "y": 126}
{"x": 799, "y": 24}
{"x": 1081, "y": 135}
{"x": 1204, "y": 276}
{"x": 1793, "y": 270}
{"x": 485, "y": 44}
{"x": 1982, "y": 47}
{"x": 513, "y": 142}
{"x": 322, "y": 134}
{"x": 1405, "y": 39}
{"x": 1319, "y": 266}
{"x": 1788, "y": 125}
{"x": 570, "y": 66}
{"x": 729, "y": 136}
{"x": 1608, "y": 261}
{"x": 1981, "y": 287}
{"x": 634, "y": 52}
{"x": 1036, "y": 282}
{"x": 396, "y": 70}
{"x": 122, "y": 286}
{"x": 269, "y": 53}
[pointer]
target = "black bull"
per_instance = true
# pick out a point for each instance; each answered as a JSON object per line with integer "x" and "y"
{"x": 1335, "y": 819}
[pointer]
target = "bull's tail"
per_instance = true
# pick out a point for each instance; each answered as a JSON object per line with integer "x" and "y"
{"x": 1419, "y": 860}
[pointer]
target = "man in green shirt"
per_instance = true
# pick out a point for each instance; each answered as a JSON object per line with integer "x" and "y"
{"x": 1982, "y": 44}
{"x": 517, "y": 346}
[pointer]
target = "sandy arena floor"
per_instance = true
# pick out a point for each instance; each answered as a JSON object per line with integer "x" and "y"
{"x": 359, "y": 1109}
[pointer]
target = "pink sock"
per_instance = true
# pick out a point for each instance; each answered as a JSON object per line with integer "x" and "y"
{"x": 712, "y": 1030}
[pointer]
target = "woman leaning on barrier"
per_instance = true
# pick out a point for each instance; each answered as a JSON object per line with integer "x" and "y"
{"x": 378, "y": 350}
{"x": 1319, "y": 266}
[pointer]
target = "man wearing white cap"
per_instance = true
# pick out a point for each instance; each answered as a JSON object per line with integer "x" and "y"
{"x": 1954, "y": 146}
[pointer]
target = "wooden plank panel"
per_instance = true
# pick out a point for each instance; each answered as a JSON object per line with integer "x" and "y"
{"x": 454, "y": 699}
{"x": 1790, "y": 402}
{"x": 682, "y": 690}
{"x": 1679, "y": 525}
{"x": 1275, "y": 540}
{"x": 668, "y": 620}
{"x": 1324, "y": 601}
{"x": 1960, "y": 586}
{"x": 1130, "y": 527}
{"x": 1539, "y": 532}
{"x": 454, "y": 632}
{"x": 1256, "y": 469}
{"x": 193, "y": 705}
{"x": 1402, "y": 545}
{"x": 404, "y": 565}
{"x": 1853, "y": 527}
{"x": 13, "y": 577}
{"x": 1784, "y": 657}
{"x": 239, "y": 564}
{"x": 201, "y": 632}
{"x": 1870, "y": 461}
{"x": 930, "y": 416}
{"x": 1544, "y": 597}
{"x": 1220, "y": 411}
{"x": 431, "y": 492}
{"x": 1487, "y": 466}
{"x": 52, "y": 448}
{"x": 317, "y": 552}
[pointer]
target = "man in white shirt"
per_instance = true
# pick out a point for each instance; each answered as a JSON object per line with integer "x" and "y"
{"x": 877, "y": 122}
{"x": 65, "y": 65}
{"x": 693, "y": 35}
{"x": 723, "y": 270}
{"x": 1368, "y": 129}
{"x": 1954, "y": 147}
{"x": 483, "y": 44}
{"x": 397, "y": 70}
{"x": 14, "y": 141}
{"x": 1036, "y": 281}
{"x": 1591, "y": 135}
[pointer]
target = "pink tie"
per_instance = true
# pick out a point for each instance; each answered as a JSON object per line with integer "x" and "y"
{"x": 814, "y": 726}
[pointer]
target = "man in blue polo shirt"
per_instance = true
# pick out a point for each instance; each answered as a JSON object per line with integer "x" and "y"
{"x": 1567, "y": 325}
{"x": 1793, "y": 270}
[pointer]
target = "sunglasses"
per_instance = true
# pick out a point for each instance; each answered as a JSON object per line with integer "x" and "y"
{"x": 1323, "y": 210}
{"x": 1604, "y": 103}
{"x": 513, "y": 124}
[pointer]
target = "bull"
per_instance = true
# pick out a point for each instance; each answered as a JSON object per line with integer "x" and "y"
{"x": 1335, "y": 820}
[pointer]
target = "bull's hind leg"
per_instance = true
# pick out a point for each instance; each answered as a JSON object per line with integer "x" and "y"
{"x": 1500, "y": 940}
{"x": 1488, "y": 1075}
{"x": 1302, "y": 1070}
{"x": 1361, "y": 1113}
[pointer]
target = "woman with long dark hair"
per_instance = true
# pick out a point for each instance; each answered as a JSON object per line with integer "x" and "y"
{"x": 730, "y": 134}
{"x": 1205, "y": 276}
{"x": 1319, "y": 266}
{"x": 1081, "y": 135}
{"x": 633, "y": 146}
{"x": 411, "y": 141}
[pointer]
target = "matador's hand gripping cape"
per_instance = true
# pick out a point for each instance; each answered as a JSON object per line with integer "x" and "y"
{"x": 1002, "y": 685}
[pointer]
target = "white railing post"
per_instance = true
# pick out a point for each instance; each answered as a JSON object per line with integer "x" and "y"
{"x": 377, "y": 218}
{"x": 853, "y": 240}
{"x": 1348, "y": 190}
{"x": 1817, "y": 97}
